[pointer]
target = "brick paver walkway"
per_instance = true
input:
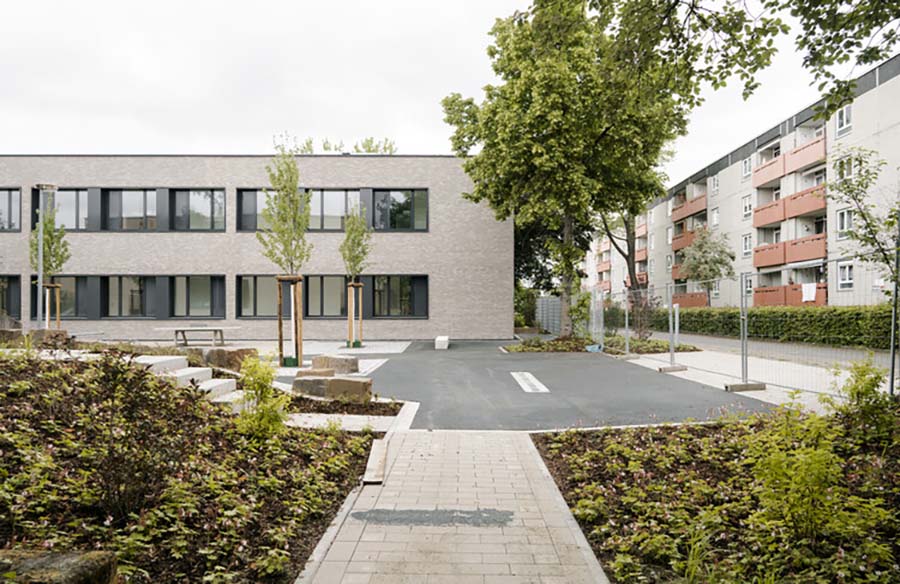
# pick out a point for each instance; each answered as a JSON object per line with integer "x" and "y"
{"x": 460, "y": 507}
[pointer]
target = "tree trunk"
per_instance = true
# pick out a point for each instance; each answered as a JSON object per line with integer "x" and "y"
{"x": 565, "y": 292}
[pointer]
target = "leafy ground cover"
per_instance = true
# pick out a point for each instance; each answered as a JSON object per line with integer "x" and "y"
{"x": 779, "y": 497}
{"x": 614, "y": 345}
{"x": 104, "y": 455}
{"x": 305, "y": 405}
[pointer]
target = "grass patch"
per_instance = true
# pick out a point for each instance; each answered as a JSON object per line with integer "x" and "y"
{"x": 105, "y": 455}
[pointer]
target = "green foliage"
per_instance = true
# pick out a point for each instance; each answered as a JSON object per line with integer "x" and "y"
{"x": 581, "y": 314}
{"x": 842, "y": 326}
{"x": 615, "y": 345}
{"x": 285, "y": 218}
{"x": 357, "y": 243}
{"x": 865, "y": 409}
{"x": 558, "y": 345}
{"x": 56, "y": 248}
{"x": 371, "y": 145}
{"x": 708, "y": 259}
{"x": 525, "y": 304}
{"x": 265, "y": 406}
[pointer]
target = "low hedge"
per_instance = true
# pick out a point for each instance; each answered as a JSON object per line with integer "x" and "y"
{"x": 843, "y": 326}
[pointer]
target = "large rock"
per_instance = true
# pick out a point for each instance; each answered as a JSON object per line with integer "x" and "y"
{"x": 43, "y": 567}
{"x": 357, "y": 389}
{"x": 314, "y": 373}
{"x": 10, "y": 335}
{"x": 51, "y": 338}
{"x": 340, "y": 363}
{"x": 228, "y": 358}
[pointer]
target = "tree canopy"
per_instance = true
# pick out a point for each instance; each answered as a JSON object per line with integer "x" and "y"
{"x": 56, "y": 248}
{"x": 708, "y": 259}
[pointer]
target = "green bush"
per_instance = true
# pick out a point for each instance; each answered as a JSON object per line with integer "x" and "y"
{"x": 525, "y": 304}
{"x": 843, "y": 326}
{"x": 265, "y": 406}
{"x": 615, "y": 345}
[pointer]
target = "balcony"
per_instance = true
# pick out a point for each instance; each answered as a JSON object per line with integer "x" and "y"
{"x": 605, "y": 285}
{"x": 604, "y": 266}
{"x": 604, "y": 245}
{"x": 641, "y": 278}
{"x": 790, "y": 295}
{"x": 769, "y": 214}
{"x": 688, "y": 208}
{"x": 676, "y": 272}
{"x": 805, "y": 156}
{"x": 640, "y": 230}
{"x": 768, "y": 255}
{"x": 682, "y": 240}
{"x": 768, "y": 172}
{"x": 805, "y": 202}
{"x": 805, "y": 248}
{"x": 640, "y": 255}
{"x": 690, "y": 299}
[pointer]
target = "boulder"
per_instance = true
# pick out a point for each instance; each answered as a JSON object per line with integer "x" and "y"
{"x": 314, "y": 373}
{"x": 228, "y": 358}
{"x": 357, "y": 389}
{"x": 340, "y": 363}
{"x": 311, "y": 385}
{"x": 10, "y": 335}
{"x": 33, "y": 566}
{"x": 52, "y": 338}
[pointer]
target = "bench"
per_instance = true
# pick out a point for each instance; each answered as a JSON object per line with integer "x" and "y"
{"x": 218, "y": 333}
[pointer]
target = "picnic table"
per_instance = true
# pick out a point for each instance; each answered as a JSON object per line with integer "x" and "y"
{"x": 218, "y": 333}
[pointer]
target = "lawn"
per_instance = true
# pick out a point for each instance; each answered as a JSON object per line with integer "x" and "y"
{"x": 104, "y": 455}
{"x": 779, "y": 497}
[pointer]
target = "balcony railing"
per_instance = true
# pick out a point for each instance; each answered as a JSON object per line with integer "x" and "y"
{"x": 805, "y": 156}
{"x": 690, "y": 299}
{"x": 676, "y": 272}
{"x": 790, "y": 295}
{"x": 604, "y": 245}
{"x": 604, "y": 266}
{"x": 682, "y": 240}
{"x": 768, "y": 255}
{"x": 641, "y": 278}
{"x": 768, "y": 172}
{"x": 688, "y": 208}
{"x": 640, "y": 255}
{"x": 640, "y": 230}
{"x": 769, "y": 213}
{"x": 805, "y": 202}
{"x": 768, "y": 296}
{"x": 812, "y": 247}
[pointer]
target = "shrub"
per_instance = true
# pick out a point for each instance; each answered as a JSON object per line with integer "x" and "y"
{"x": 558, "y": 345}
{"x": 525, "y": 302}
{"x": 518, "y": 320}
{"x": 615, "y": 345}
{"x": 265, "y": 406}
{"x": 580, "y": 312}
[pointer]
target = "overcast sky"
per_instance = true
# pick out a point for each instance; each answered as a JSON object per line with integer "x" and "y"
{"x": 196, "y": 76}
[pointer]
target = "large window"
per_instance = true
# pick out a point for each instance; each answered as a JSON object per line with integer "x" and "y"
{"x": 329, "y": 207}
{"x": 400, "y": 210}
{"x": 71, "y": 288}
{"x": 845, "y": 276}
{"x": 128, "y": 296}
{"x": 9, "y": 210}
{"x": 9, "y": 296}
{"x": 192, "y": 296}
{"x": 71, "y": 208}
{"x": 130, "y": 210}
{"x": 257, "y": 296}
{"x": 844, "y": 120}
{"x": 326, "y": 295}
{"x": 199, "y": 210}
{"x": 400, "y": 296}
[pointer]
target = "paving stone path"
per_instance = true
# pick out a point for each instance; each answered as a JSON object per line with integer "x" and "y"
{"x": 459, "y": 507}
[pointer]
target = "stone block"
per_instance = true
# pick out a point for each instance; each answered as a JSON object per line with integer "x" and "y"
{"x": 33, "y": 566}
{"x": 340, "y": 363}
{"x": 310, "y": 385}
{"x": 53, "y": 338}
{"x": 441, "y": 343}
{"x": 10, "y": 335}
{"x": 357, "y": 389}
{"x": 228, "y": 358}
{"x": 314, "y": 373}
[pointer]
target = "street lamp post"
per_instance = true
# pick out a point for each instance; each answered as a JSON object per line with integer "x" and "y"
{"x": 45, "y": 191}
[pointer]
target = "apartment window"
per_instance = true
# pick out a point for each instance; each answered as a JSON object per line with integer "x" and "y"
{"x": 746, "y": 245}
{"x": 129, "y": 210}
{"x": 776, "y": 236}
{"x": 714, "y": 184}
{"x": 650, "y": 217}
{"x": 748, "y": 285}
{"x": 326, "y": 295}
{"x": 714, "y": 217}
{"x": 401, "y": 210}
{"x": 199, "y": 210}
{"x": 329, "y": 207}
{"x": 819, "y": 131}
{"x": 818, "y": 177}
{"x": 715, "y": 289}
{"x": 844, "y": 168}
{"x": 776, "y": 193}
{"x": 669, "y": 208}
{"x": 9, "y": 296}
{"x": 746, "y": 167}
{"x": 71, "y": 208}
{"x": 193, "y": 296}
{"x": 845, "y": 276}
{"x": 400, "y": 296}
{"x": 652, "y": 240}
{"x": 9, "y": 209}
{"x": 669, "y": 262}
{"x": 669, "y": 235}
{"x": 257, "y": 296}
{"x": 128, "y": 296}
{"x": 844, "y": 120}
{"x": 746, "y": 206}
{"x": 844, "y": 223}
{"x": 650, "y": 267}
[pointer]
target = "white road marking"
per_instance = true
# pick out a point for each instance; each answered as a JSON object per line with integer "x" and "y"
{"x": 528, "y": 382}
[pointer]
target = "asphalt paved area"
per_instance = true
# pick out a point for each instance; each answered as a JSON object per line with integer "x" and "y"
{"x": 469, "y": 387}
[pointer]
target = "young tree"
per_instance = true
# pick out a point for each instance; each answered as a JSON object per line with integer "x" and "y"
{"x": 56, "y": 249}
{"x": 371, "y": 145}
{"x": 286, "y": 219}
{"x": 355, "y": 252}
{"x": 708, "y": 259}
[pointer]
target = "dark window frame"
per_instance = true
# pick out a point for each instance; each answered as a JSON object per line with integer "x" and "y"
{"x": 173, "y": 210}
{"x": 105, "y": 308}
{"x": 52, "y": 280}
{"x": 9, "y": 197}
{"x": 238, "y": 297}
{"x": 412, "y": 211}
{"x": 105, "y": 195}
{"x": 306, "y": 295}
{"x": 15, "y": 308}
{"x": 187, "y": 297}
{"x": 412, "y": 298}
{"x": 79, "y": 192}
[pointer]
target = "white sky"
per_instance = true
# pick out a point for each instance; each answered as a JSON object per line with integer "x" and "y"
{"x": 196, "y": 76}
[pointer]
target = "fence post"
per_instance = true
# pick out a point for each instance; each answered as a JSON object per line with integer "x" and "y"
{"x": 627, "y": 334}
{"x": 894, "y": 310}
{"x": 677, "y": 323}
{"x": 602, "y": 318}
{"x": 671, "y": 325}
{"x": 744, "y": 372}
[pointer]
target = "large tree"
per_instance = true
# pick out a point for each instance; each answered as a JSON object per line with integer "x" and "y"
{"x": 708, "y": 259}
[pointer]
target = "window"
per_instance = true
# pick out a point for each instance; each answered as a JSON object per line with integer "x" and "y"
{"x": 71, "y": 208}
{"x": 650, "y": 217}
{"x": 128, "y": 296}
{"x": 669, "y": 208}
{"x": 844, "y": 168}
{"x": 9, "y": 210}
{"x": 9, "y": 296}
{"x": 715, "y": 289}
{"x": 818, "y": 177}
{"x": 257, "y": 296}
{"x": 776, "y": 236}
{"x": 844, "y": 223}
{"x": 845, "y": 276}
{"x": 69, "y": 296}
{"x": 748, "y": 285}
{"x": 400, "y": 296}
{"x": 326, "y": 295}
{"x": 746, "y": 245}
{"x": 130, "y": 210}
{"x": 776, "y": 193}
{"x": 652, "y": 241}
{"x": 714, "y": 217}
{"x": 819, "y": 131}
{"x": 844, "y": 120}
{"x": 329, "y": 207}
{"x": 669, "y": 235}
{"x": 401, "y": 210}
{"x": 193, "y": 296}
{"x": 650, "y": 267}
{"x": 714, "y": 184}
{"x": 746, "y": 206}
{"x": 199, "y": 210}
{"x": 746, "y": 167}
{"x": 669, "y": 262}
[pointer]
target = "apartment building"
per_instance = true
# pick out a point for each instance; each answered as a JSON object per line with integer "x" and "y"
{"x": 768, "y": 197}
{"x": 165, "y": 241}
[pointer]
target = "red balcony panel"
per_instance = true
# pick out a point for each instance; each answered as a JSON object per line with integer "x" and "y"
{"x": 805, "y": 248}
{"x": 604, "y": 245}
{"x": 676, "y": 272}
{"x": 605, "y": 285}
{"x": 769, "y": 213}
{"x": 641, "y": 278}
{"x": 690, "y": 299}
{"x": 769, "y": 296}
{"x": 768, "y": 255}
{"x": 640, "y": 255}
{"x": 805, "y": 156}
{"x": 690, "y": 207}
{"x": 805, "y": 202}
{"x": 640, "y": 230}
{"x": 682, "y": 240}
{"x": 604, "y": 266}
{"x": 794, "y": 295}
{"x": 768, "y": 172}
